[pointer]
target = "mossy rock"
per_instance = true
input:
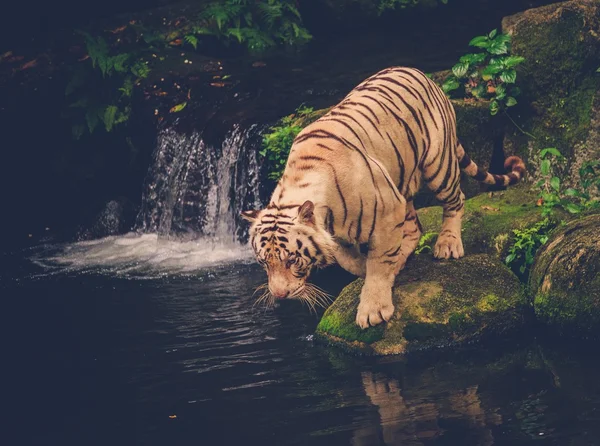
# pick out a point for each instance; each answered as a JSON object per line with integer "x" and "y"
{"x": 490, "y": 219}
{"x": 560, "y": 86}
{"x": 565, "y": 279}
{"x": 438, "y": 304}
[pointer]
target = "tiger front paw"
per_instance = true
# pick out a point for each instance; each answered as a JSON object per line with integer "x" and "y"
{"x": 448, "y": 246}
{"x": 375, "y": 307}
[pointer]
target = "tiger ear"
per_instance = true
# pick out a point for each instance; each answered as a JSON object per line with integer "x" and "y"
{"x": 306, "y": 213}
{"x": 251, "y": 216}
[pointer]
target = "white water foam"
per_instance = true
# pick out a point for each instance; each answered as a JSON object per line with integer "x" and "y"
{"x": 145, "y": 254}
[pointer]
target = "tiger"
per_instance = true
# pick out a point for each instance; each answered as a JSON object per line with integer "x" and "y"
{"x": 346, "y": 193}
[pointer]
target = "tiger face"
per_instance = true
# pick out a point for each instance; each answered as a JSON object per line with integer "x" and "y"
{"x": 289, "y": 244}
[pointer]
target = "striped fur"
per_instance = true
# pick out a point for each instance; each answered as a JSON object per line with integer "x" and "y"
{"x": 347, "y": 189}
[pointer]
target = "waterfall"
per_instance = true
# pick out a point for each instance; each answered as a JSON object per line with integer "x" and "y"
{"x": 189, "y": 219}
{"x": 194, "y": 189}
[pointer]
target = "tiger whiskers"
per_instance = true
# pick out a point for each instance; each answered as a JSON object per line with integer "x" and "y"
{"x": 266, "y": 297}
{"x": 313, "y": 296}
{"x": 310, "y": 294}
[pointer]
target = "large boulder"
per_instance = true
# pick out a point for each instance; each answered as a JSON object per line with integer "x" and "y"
{"x": 438, "y": 304}
{"x": 565, "y": 279}
{"x": 560, "y": 101}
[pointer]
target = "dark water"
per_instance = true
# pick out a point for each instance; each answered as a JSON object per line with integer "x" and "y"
{"x": 156, "y": 358}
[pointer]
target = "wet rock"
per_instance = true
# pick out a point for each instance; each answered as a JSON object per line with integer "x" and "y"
{"x": 565, "y": 279}
{"x": 438, "y": 304}
{"x": 116, "y": 218}
{"x": 560, "y": 101}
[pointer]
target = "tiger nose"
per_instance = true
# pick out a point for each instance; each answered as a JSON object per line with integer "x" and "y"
{"x": 280, "y": 294}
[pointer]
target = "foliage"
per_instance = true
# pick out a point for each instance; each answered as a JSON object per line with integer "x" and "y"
{"x": 552, "y": 191}
{"x": 489, "y": 74}
{"x": 257, "y": 24}
{"x": 383, "y": 5}
{"x": 101, "y": 87}
{"x": 277, "y": 142}
{"x": 526, "y": 243}
{"x": 425, "y": 242}
{"x": 102, "y": 84}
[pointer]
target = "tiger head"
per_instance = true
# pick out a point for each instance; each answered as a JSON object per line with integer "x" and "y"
{"x": 289, "y": 244}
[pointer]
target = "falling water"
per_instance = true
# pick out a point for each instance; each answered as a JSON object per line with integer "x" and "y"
{"x": 195, "y": 189}
{"x": 189, "y": 217}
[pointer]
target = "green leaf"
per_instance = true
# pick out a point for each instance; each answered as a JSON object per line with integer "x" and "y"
{"x": 473, "y": 58}
{"x": 509, "y": 76}
{"x": 513, "y": 61}
{"x": 510, "y": 258}
{"x": 488, "y": 72}
{"x": 460, "y": 69}
{"x": 572, "y": 192}
{"x": 492, "y": 34}
{"x": 450, "y": 84}
{"x": 497, "y": 47}
{"x": 237, "y": 33}
{"x": 572, "y": 208}
{"x": 545, "y": 167}
{"x": 494, "y": 107}
{"x": 500, "y": 92}
{"x": 177, "y": 108}
{"x": 91, "y": 118}
{"x": 192, "y": 40}
{"x": 555, "y": 183}
{"x": 510, "y": 101}
{"x": 119, "y": 62}
{"x": 109, "y": 117}
{"x": 480, "y": 42}
{"x": 503, "y": 38}
{"x": 550, "y": 150}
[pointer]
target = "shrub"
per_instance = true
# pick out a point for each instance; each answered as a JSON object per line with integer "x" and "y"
{"x": 489, "y": 74}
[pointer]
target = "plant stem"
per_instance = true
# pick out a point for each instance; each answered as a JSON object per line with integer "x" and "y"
{"x": 517, "y": 126}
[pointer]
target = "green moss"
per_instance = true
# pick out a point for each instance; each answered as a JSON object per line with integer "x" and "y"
{"x": 339, "y": 319}
{"x": 437, "y": 304}
{"x": 489, "y": 220}
{"x": 565, "y": 279}
{"x": 491, "y": 302}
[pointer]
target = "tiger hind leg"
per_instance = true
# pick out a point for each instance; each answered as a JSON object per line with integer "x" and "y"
{"x": 411, "y": 236}
{"x": 449, "y": 242}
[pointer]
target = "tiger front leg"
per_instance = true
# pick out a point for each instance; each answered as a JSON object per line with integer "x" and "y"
{"x": 351, "y": 259}
{"x": 382, "y": 264}
{"x": 449, "y": 243}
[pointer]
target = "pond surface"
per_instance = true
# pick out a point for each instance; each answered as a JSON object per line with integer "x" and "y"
{"x": 122, "y": 352}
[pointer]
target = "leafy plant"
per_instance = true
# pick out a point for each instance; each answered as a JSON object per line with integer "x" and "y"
{"x": 258, "y": 24}
{"x": 384, "y": 5}
{"x": 425, "y": 242}
{"x": 489, "y": 74}
{"x": 526, "y": 243}
{"x": 278, "y": 141}
{"x": 113, "y": 76}
{"x": 552, "y": 191}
